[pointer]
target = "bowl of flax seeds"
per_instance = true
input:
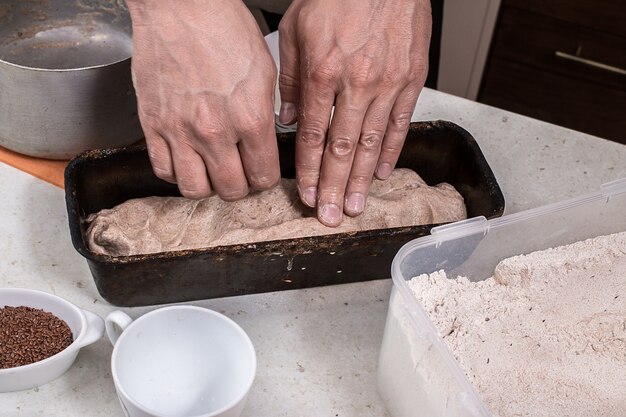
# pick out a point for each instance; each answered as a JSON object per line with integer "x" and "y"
{"x": 40, "y": 337}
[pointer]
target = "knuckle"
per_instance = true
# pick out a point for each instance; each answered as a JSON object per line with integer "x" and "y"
{"x": 208, "y": 130}
{"x": 312, "y": 135}
{"x": 264, "y": 182}
{"x": 418, "y": 71}
{"x": 160, "y": 164}
{"x": 331, "y": 194}
{"x": 390, "y": 81}
{"x": 156, "y": 154}
{"x": 233, "y": 194}
{"x": 263, "y": 178}
{"x": 363, "y": 79}
{"x": 401, "y": 120}
{"x": 162, "y": 172}
{"x": 365, "y": 75}
{"x": 371, "y": 140}
{"x": 193, "y": 193}
{"x": 415, "y": 74}
{"x": 285, "y": 25}
{"x": 324, "y": 74}
{"x": 341, "y": 147}
{"x": 150, "y": 120}
{"x": 307, "y": 176}
{"x": 392, "y": 148}
{"x": 178, "y": 128}
{"x": 266, "y": 69}
{"x": 397, "y": 77}
{"x": 360, "y": 181}
{"x": 287, "y": 80}
{"x": 405, "y": 75}
{"x": 413, "y": 90}
{"x": 253, "y": 124}
{"x": 189, "y": 184}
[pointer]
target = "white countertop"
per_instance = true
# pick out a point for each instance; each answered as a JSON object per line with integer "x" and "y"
{"x": 317, "y": 348}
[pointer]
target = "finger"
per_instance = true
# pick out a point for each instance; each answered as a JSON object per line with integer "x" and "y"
{"x": 160, "y": 156}
{"x": 218, "y": 149}
{"x": 289, "y": 77}
{"x": 367, "y": 153}
{"x": 317, "y": 102}
{"x": 343, "y": 136}
{"x": 227, "y": 175}
{"x": 258, "y": 150}
{"x": 397, "y": 128}
{"x": 190, "y": 170}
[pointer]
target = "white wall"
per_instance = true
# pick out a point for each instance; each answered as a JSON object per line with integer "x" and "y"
{"x": 467, "y": 30}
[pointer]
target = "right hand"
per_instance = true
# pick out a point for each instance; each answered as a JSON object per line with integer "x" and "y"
{"x": 368, "y": 59}
{"x": 205, "y": 80}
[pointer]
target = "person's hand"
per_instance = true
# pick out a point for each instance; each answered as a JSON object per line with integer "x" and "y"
{"x": 205, "y": 80}
{"x": 370, "y": 59}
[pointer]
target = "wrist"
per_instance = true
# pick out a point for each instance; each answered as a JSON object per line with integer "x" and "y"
{"x": 206, "y": 4}
{"x": 142, "y": 10}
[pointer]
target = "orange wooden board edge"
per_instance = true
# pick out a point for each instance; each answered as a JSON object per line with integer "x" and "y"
{"x": 45, "y": 169}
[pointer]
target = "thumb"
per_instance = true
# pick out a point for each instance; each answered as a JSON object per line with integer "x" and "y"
{"x": 289, "y": 78}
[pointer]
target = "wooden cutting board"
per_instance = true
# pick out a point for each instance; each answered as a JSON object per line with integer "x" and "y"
{"x": 46, "y": 169}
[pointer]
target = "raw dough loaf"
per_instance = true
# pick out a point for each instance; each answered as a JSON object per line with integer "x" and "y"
{"x": 161, "y": 224}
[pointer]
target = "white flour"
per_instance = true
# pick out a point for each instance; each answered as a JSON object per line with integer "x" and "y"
{"x": 546, "y": 335}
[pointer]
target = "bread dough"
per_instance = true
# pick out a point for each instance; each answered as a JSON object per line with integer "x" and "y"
{"x": 161, "y": 224}
{"x": 546, "y": 335}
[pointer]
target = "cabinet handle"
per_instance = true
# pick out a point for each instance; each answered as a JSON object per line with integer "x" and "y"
{"x": 590, "y": 63}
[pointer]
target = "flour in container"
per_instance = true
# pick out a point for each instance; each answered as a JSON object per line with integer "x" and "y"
{"x": 546, "y": 335}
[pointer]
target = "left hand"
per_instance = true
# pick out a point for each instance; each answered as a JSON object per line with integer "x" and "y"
{"x": 205, "y": 81}
{"x": 370, "y": 59}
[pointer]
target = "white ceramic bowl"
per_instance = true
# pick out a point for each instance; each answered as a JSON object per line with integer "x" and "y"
{"x": 86, "y": 327}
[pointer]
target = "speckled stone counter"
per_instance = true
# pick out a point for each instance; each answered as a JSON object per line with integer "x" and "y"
{"x": 317, "y": 348}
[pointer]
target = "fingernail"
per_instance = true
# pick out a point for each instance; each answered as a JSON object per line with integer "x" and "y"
{"x": 355, "y": 203}
{"x": 330, "y": 214}
{"x": 383, "y": 171}
{"x": 310, "y": 196}
{"x": 287, "y": 115}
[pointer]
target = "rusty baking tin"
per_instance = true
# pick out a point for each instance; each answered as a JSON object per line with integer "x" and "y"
{"x": 438, "y": 151}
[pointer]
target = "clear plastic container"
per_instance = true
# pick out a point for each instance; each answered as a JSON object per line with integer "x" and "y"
{"x": 418, "y": 375}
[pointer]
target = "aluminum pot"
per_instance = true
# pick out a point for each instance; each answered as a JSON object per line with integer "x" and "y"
{"x": 65, "y": 81}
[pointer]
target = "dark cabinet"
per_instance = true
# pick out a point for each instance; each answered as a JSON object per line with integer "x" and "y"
{"x": 563, "y": 62}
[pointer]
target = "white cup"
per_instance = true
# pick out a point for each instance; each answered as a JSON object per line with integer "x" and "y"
{"x": 180, "y": 361}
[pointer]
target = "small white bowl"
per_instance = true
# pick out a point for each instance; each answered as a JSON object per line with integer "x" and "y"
{"x": 86, "y": 327}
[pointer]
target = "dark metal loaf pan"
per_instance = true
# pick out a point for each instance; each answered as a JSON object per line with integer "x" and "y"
{"x": 438, "y": 151}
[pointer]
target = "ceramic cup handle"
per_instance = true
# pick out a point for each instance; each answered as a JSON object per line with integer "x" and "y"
{"x": 115, "y": 323}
